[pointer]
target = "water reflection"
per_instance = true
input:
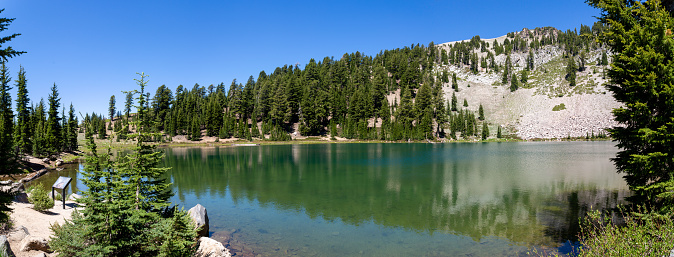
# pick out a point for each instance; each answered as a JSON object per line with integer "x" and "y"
{"x": 530, "y": 193}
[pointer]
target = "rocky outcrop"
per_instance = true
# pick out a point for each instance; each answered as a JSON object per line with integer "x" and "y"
{"x": 11, "y": 187}
{"x": 210, "y": 248}
{"x": 200, "y": 219}
{"x": 30, "y": 243}
{"x": 5, "y": 250}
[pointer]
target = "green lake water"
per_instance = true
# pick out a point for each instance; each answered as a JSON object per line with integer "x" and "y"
{"x": 472, "y": 199}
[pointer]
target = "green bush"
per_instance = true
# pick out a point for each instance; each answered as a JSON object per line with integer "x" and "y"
{"x": 641, "y": 235}
{"x": 559, "y": 107}
{"x": 40, "y": 199}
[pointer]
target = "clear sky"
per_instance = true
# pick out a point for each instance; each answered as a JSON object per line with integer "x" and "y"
{"x": 93, "y": 49}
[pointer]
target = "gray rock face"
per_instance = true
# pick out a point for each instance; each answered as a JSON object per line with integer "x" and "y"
{"x": 211, "y": 248}
{"x": 4, "y": 247}
{"x": 200, "y": 219}
{"x": 34, "y": 243}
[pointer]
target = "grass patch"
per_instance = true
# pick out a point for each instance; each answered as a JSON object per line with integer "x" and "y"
{"x": 559, "y": 107}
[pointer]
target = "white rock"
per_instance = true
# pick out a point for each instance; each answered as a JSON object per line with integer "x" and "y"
{"x": 211, "y": 248}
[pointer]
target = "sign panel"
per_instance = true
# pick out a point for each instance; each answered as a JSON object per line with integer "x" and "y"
{"x": 62, "y": 182}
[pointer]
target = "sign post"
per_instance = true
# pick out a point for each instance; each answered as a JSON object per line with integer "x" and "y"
{"x": 61, "y": 183}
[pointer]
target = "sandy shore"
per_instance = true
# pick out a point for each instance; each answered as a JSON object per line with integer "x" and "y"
{"x": 38, "y": 223}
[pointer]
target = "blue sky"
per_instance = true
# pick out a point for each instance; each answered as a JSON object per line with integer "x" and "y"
{"x": 93, "y": 49}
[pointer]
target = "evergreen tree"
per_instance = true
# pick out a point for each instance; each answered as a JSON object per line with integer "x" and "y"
{"x": 71, "y": 139}
{"x": 604, "y": 58}
{"x": 498, "y": 132}
{"x": 481, "y": 113}
{"x": 111, "y": 108}
{"x": 485, "y": 131}
{"x": 571, "y": 71}
{"x": 8, "y": 51}
{"x": 53, "y": 138}
{"x": 8, "y": 161}
{"x": 455, "y": 85}
{"x": 514, "y": 83}
{"x": 641, "y": 79}
{"x": 128, "y": 104}
{"x": 465, "y": 102}
{"x": 454, "y": 102}
{"x": 126, "y": 210}
{"x": 22, "y": 137}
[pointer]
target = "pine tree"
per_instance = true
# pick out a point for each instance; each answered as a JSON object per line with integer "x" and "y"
{"x": 128, "y": 104}
{"x": 485, "y": 131}
{"x": 455, "y": 85}
{"x": 465, "y": 102}
{"x": 454, "y": 102}
{"x": 7, "y": 52}
{"x": 481, "y": 113}
{"x": 71, "y": 142}
{"x": 8, "y": 161}
{"x": 571, "y": 71}
{"x": 641, "y": 79}
{"x": 111, "y": 108}
{"x": 604, "y": 58}
{"x": 23, "y": 134}
{"x": 498, "y": 132}
{"x": 514, "y": 83}
{"x": 53, "y": 139}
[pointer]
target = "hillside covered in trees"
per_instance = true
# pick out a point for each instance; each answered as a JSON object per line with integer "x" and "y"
{"x": 457, "y": 90}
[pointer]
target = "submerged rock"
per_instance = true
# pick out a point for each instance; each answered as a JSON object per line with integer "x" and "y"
{"x": 200, "y": 218}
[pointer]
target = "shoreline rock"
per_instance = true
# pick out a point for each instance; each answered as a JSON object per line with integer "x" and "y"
{"x": 200, "y": 218}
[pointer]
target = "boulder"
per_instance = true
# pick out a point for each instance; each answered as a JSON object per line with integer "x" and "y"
{"x": 200, "y": 219}
{"x": 30, "y": 243}
{"x": 59, "y": 162}
{"x": 46, "y": 160}
{"x": 19, "y": 234}
{"x": 211, "y": 248}
{"x": 74, "y": 197}
{"x": 5, "y": 182}
{"x": 42, "y": 254}
{"x": 5, "y": 250}
{"x": 21, "y": 197}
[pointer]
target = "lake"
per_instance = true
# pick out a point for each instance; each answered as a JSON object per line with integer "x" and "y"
{"x": 394, "y": 199}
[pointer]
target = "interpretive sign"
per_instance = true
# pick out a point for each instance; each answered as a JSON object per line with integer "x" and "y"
{"x": 61, "y": 183}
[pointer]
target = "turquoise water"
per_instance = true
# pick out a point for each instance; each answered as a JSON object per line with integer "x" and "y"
{"x": 477, "y": 199}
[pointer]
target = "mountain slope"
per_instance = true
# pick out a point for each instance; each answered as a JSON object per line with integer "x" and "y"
{"x": 528, "y": 112}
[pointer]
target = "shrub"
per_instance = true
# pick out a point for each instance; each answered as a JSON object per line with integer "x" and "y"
{"x": 39, "y": 197}
{"x": 641, "y": 235}
{"x": 559, "y": 107}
